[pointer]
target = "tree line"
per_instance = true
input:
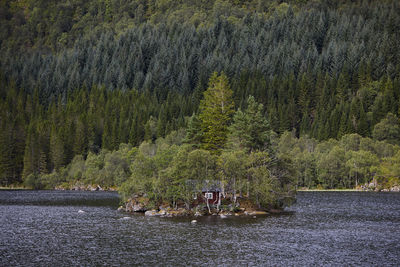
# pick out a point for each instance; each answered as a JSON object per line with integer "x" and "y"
{"x": 213, "y": 147}
{"x": 236, "y": 147}
{"x": 37, "y": 139}
{"x": 320, "y": 69}
{"x": 313, "y": 68}
{"x": 54, "y": 25}
{"x": 344, "y": 44}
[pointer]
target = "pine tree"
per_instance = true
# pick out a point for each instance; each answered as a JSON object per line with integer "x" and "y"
{"x": 304, "y": 98}
{"x": 6, "y": 155}
{"x": 133, "y": 136}
{"x": 30, "y": 154}
{"x": 80, "y": 140}
{"x": 193, "y": 131}
{"x": 363, "y": 126}
{"x": 150, "y": 130}
{"x": 250, "y": 129}
{"x": 161, "y": 122}
{"x": 354, "y": 114}
{"x": 106, "y": 138}
{"x": 216, "y": 110}
{"x": 305, "y": 124}
{"x": 389, "y": 102}
{"x": 342, "y": 88}
{"x": 56, "y": 149}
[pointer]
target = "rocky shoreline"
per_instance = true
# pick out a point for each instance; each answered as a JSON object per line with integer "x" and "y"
{"x": 377, "y": 188}
{"x": 142, "y": 205}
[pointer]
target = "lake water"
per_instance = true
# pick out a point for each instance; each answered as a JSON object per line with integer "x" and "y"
{"x": 45, "y": 228}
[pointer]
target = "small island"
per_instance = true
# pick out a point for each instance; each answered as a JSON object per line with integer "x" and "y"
{"x": 209, "y": 198}
{"x": 225, "y": 164}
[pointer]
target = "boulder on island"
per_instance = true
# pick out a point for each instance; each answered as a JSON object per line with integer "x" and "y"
{"x": 121, "y": 209}
{"x": 151, "y": 213}
{"x": 136, "y": 205}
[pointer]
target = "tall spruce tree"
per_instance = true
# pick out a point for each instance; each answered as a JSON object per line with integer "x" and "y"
{"x": 250, "y": 129}
{"x": 216, "y": 111}
{"x": 193, "y": 131}
{"x": 56, "y": 149}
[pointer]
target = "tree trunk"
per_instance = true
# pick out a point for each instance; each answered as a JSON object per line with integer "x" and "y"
{"x": 219, "y": 201}
{"x": 234, "y": 191}
{"x": 208, "y": 205}
{"x": 356, "y": 180}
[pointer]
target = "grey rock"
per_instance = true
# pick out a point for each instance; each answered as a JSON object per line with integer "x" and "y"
{"x": 138, "y": 208}
{"x": 151, "y": 213}
{"x": 121, "y": 209}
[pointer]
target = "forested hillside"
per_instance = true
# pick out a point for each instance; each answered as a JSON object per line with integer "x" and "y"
{"x": 82, "y": 77}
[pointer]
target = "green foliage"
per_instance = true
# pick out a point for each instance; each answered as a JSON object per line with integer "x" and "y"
{"x": 250, "y": 129}
{"x": 56, "y": 149}
{"x": 77, "y": 168}
{"x": 52, "y": 24}
{"x": 216, "y": 110}
{"x": 361, "y": 165}
{"x": 93, "y": 165}
{"x": 37, "y": 140}
{"x": 33, "y": 181}
{"x": 347, "y": 163}
{"x": 390, "y": 166}
{"x": 83, "y": 77}
{"x": 233, "y": 166}
{"x": 193, "y": 131}
{"x": 388, "y": 129}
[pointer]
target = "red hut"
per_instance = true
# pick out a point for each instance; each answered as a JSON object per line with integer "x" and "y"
{"x": 210, "y": 191}
{"x": 211, "y": 196}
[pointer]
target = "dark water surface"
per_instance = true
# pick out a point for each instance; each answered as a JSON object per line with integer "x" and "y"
{"x": 44, "y": 228}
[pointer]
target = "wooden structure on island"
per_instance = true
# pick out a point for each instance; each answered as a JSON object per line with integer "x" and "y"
{"x": 206, "y": 191}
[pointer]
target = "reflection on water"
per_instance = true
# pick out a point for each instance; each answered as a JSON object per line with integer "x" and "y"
{"x": 44, "y": 228}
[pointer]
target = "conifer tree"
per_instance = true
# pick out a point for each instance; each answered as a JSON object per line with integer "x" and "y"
{"x": 250, "y": 129}
{"x": 193, "y": 131}
{"x": 304, "y": 98}
{"x": 342, "y": 88}
{"x": 216, "y": 110}
{"x": 80, "y": 140}
{"x": 150, "y": 130}
{"x": 161, "y": 122}
{"x": 363, "y": 126}
{"x": 56, "y": 149}
{"x": 30, "y": 153}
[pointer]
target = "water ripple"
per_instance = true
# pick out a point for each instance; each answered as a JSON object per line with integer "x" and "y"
{"x": 44, "y": 228}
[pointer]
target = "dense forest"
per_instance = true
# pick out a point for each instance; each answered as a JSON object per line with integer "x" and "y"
{"x": 88, "y": 89}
